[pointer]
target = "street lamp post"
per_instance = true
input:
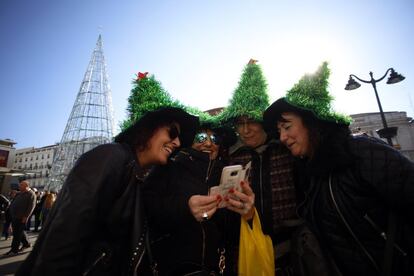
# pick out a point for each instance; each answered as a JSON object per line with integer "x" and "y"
{"x": 386, "y": 132}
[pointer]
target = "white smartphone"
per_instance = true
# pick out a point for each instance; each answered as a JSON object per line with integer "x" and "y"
{"x": 231, "y": 176}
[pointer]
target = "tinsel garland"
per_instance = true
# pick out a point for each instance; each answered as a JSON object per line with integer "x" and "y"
{"x": 311, "y": 93}
{"x": 250, "y": 97}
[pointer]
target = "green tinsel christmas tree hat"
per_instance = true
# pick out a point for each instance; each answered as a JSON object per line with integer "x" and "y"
{"x": 250, "y": 97}
{"x": 311, "y": 95}
{"x": 149, "y": 102}
{"x": 147, "y": 94}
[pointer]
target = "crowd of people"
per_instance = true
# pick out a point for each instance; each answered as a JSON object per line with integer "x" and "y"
{"x": 143, "y": 205}
{"x": 19, "y": 209}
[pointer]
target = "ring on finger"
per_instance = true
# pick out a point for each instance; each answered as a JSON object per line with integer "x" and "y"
{"x": 205, "y": 216}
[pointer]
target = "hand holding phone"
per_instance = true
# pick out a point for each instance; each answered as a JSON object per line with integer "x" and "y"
{"x": 231, "y": 177}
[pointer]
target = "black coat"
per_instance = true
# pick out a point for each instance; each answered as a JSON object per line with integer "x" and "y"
{"x": 178, "y": 237}
{"x": 368, "y": 179}
{"x": 98, "y": 210}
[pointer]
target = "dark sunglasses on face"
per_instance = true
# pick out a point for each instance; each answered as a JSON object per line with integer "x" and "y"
{"x": 202, "y": 137}
{"x": 173, "y": 132}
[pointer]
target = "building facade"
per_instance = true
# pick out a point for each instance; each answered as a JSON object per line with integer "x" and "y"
{"x": 36, "y": 162}
{"x": 368, "y": 123}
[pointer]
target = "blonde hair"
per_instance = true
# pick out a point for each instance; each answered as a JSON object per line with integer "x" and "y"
{"x": 50, "y": 199}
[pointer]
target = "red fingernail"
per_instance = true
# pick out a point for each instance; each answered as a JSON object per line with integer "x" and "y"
{"x": 231, "y": 190}
{"x": 226, "y": 198}
{"x": 218, "y": 197}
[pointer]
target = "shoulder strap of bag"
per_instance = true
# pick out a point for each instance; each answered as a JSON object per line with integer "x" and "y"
{"x": 354, "y": 236}
{"x": 389, "y": 245}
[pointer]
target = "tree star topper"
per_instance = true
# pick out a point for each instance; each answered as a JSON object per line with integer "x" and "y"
{"x": 141, "y": 76}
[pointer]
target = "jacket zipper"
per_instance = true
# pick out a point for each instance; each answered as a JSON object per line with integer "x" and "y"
{"x": 261, "y": 183}
{"x": 209, "y": 169}
{"x": 91, "y": 266}
{"x": 349, "y": 227}
{"x": 203, "y": 253}
{"x": 138, "y": 263}
{"x": 203, "y": 232}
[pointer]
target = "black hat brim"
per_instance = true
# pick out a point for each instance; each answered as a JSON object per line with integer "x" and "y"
{"x": 188, "y": 125}
{"x": 153, "y": 119}
{"x": 274, "y": 112}
{"x": 227, "y": 135}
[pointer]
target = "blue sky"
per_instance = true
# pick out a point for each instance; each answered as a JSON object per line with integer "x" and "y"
{"x": 197, "y": 49}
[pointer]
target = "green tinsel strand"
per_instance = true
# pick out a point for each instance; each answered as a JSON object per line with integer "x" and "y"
{"x": 148, "y": 94}
{"x": 311, "y": 93}
{"x": 250, "y": 97}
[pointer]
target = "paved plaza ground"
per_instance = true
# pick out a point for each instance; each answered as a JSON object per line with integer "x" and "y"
{"x": 8, "y": 265}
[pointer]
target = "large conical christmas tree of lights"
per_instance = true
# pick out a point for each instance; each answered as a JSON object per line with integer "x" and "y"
{"x": 90, "y": 122}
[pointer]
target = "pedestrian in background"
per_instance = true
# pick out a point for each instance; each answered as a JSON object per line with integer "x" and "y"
{"x": 29, "y": 220}
{"x": 37, "y": 212}
{"x": 4, "y": 205}
{"x": 20, "y": 210}
{"x": 8, "y": 219}
{"x": 50, "y": 198}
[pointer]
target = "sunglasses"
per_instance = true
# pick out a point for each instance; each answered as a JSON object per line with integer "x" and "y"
{"x": 173, "y": 132}
{"x": 202, "y": 138}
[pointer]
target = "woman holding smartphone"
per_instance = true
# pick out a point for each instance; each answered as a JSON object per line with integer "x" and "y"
{"x": 178, "y": 194}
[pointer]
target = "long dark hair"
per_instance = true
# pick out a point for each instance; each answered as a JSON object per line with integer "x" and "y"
{"x": 328, "y": 141}
{"x": 138, "y": 135}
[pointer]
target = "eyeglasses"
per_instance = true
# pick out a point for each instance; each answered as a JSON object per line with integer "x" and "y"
{"x": 202, "y": 138}
{"x": 173, "y": 132}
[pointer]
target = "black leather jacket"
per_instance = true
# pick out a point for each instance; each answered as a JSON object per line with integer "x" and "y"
{"x": 347, "y": 204}
{"x": 96, "y": 221}
{"x": 179, "y": 239}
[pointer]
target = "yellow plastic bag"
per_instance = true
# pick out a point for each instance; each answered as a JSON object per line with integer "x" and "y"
{"x": 255, "y": 250}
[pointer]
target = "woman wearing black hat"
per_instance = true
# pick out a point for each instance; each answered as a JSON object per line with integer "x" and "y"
{"x": 185, "y": 221}
{"x": 96, "y": 226}
{"x": 350, "y": 184}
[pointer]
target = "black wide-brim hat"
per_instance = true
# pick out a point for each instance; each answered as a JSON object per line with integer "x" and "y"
{"x": 308, "y": 97}
{"x": 189, "y": 124}
{"x": 273, "y": 113}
